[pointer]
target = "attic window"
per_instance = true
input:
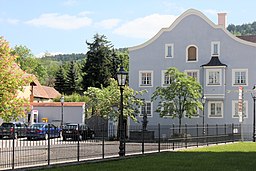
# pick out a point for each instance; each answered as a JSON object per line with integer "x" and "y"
{"x": 192, "y": 53}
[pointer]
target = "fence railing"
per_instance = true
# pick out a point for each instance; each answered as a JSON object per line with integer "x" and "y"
{"x": 33, "y": 150}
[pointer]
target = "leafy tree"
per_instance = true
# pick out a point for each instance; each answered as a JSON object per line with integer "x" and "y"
{"x": 244, "y": 29}
{"x": 106, "y": 101}
{"x": 181, "y": 97}
{"x": 29, "y": 63}
{"x": 100, "y": 63}
{"x": 12, "y": 80}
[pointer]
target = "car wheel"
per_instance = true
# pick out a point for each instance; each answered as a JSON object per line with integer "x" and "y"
{"x": 29, "y": 138}
{"x": 64, "y": 138}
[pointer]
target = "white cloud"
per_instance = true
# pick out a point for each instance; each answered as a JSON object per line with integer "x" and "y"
{"x": 145, "y": 27}
{"x": 12, "y": 21}
{"x": 70, "y": 2}
{"x": 9, "y": 21}
{"x": 211, "y": 12}
{"x": 64, "y": 22}
{"x": 108, "y": 24}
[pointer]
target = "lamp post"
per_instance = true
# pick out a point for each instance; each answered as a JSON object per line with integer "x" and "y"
{"x": 203, "y": 102}
{"x": 121, "y": 78}
{"x": 254, "y": 99}
{"x": 62, "y": 104}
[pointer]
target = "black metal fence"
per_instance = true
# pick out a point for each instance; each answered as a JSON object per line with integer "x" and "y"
{"x": 25, "y": 152}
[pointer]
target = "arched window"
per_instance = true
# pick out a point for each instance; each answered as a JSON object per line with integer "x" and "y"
{"x": 192, "y": 53}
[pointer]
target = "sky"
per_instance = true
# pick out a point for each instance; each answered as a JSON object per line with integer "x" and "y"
{"x": 64, "y": 26}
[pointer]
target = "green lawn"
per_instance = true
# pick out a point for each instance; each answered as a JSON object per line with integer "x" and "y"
{"x": 235, "y": 157}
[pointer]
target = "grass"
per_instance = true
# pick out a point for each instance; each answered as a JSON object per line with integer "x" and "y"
{"x": 235, "y": 157}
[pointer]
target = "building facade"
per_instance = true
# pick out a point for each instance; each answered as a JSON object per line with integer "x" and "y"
{"x": 220, "y": 61}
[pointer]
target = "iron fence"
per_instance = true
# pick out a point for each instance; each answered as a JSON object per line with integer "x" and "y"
{"x": 23, "y": 152}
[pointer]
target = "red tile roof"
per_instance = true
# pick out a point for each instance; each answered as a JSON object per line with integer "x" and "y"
{"x": 249, "y": 38}
{"x": 57, "y": 104}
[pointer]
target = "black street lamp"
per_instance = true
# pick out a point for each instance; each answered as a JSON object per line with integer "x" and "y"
{"x": 121, "y": 78}
{"x": 254, "y": 99}
{"x": 62, "y": 104}
{"x": 203, "y": 102}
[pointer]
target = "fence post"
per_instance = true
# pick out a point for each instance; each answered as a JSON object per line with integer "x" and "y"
{"x": 173, "y": 136}
{"x": 207, "y": 134}
{"x": 232, "y": 129}
{"x": 13, "y": 149}
{"x": 225, "y": 133}
{"x": 103, "y": 141}
{"x": 186, "y": 135}
{"x": 142, "y": 150}
{"x": 159, "y": 138}
{"x": 217, "y": 134}
{"x": 78, "y": 142}
{"x": 48, "y": 147}
{"x": 197, "y": 136}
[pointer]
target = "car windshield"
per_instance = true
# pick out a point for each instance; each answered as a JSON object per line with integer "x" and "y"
{"x": 7, "y": 125}
{"x": 71, "y": 126}
{"x": 37, "y": 125}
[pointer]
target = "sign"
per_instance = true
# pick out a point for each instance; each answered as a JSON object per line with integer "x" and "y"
{"x": 240, "y": 103}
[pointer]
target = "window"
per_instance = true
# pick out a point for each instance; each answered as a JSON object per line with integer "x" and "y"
{"x": 169, "y": 50}
{"x": 213, "y": 77}
{"x": 240, "y": 77}
{"x": 215, "y": 109}
{"x": 146, "y": 109}
{"x": 235, "y": 109}
{"x": 146, "y": 78}
{"x": 215, "y": 48}
{"x": 166, "y": 78}
{"x": 193, "y": 73}
{"x": 192, "y": 53}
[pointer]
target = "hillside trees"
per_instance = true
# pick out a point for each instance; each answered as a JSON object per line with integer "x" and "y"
{"x": 244, "y": 29}
{"x": 12, "y": 80}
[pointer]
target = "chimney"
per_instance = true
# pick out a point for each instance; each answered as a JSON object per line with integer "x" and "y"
{"x": 222, "y": 19}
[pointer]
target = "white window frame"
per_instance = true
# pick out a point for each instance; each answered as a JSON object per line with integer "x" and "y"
{"x": 197, "y": 71}
{"x": 140, "y": 78}
{"x": 151, "y": 109}
{"x": 208, "y": 80}
{"x": 212, "y": 48}
{"x": 167, "y": 50}
{"x": 163, "y": 78}
{"x": 187, "y": 53}
{"x": 234, "y": 77}
{"x": 234, "y": 104}
{"x": 209, "y": 109}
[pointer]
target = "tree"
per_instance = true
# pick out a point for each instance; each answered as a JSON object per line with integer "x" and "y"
{"x": 71, "y": 79}
{"x": 60, "y": 81}
{"x": 100, "y": 64}
{"x": 106, "y": 101}
{"x": 29, "y": 63}
{"x": 181, "y": 97}
{"x": 12, "y": 80}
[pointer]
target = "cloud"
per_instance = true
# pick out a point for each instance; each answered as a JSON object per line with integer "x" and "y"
{"x": 70, "y": 2}
{"x": 108, "y": 24}
{"x": 64, "y": 21}
{"x": 210, "y": 11}
{"x": 10, "y": 21}
{"x": 145, "y": 27}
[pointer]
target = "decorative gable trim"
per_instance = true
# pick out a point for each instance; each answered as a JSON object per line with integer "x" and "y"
{"x": 179, "y": 19}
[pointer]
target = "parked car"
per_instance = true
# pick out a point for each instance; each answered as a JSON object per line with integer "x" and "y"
{"x": 13, "y": 130}
{"x": 77, "y": 131}
{"x": 43, "y": 131}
